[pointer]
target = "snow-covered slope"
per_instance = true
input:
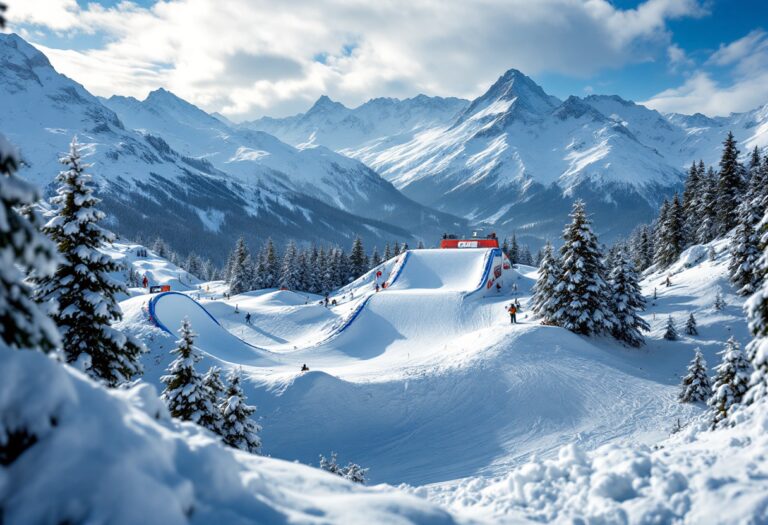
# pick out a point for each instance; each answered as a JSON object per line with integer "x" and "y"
{"x": 516, "y": 157}
{"x": 429, "y": 384}
{"x": 258, "y": 186}
{"x": 117, "y": 457}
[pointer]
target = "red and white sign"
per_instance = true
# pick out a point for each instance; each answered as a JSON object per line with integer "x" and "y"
{"x": 467, "y": 244}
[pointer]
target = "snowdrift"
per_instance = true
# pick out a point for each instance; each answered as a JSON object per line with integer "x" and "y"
{"x": 136, "y": 465}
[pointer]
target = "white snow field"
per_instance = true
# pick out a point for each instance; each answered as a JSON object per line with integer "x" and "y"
{"x": 430, "y": 382}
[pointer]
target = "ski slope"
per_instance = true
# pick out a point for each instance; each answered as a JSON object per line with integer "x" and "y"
{"x": 427, "y": 381}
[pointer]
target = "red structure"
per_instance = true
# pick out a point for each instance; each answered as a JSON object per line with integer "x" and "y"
{"x": 453, "y": 241}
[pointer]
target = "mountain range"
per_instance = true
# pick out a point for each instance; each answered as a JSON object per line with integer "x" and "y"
{"x": 166, "y": 168}
{"x": 516, "y": 157}
{"x": 512, "y": 160}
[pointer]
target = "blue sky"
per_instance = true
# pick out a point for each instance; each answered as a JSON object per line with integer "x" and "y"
{"x": 247, "y": 58}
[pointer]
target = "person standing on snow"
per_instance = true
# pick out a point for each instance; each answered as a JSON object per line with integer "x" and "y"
{"x": 248, "y": 318}
{"x": 145, "y": 281}
{"x": 512, "y": 313}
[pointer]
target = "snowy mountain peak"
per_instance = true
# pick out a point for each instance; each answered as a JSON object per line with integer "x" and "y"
{"x": 574, "y": 107}
{"x": 513, "y": 96}
{"x": 324, "y": 104}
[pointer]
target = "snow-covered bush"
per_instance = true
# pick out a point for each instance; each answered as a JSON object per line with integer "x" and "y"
{"x": 352, "y": 471}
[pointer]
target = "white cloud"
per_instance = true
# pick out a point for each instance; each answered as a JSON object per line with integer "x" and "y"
{"x": 744, "y": 63}
{"x": 677, "y": 58}
{"x": 285, "y": 54}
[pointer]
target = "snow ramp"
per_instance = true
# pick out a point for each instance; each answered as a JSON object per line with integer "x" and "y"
{"x": 444, "y": 270}
{"x": 168, "y": 309}
{"x": 423, "y": 306}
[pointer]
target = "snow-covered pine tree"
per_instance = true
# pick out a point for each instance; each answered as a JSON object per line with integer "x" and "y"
{"x": 341, "y": 271}
{"x": 271, "y": 265}
{"x": 214, "y": 390}
{"x": 695, "y": 384}
{"x": 194, "y": 265}
{"x": 691, "y": 204}
{"x": 290, "y": 269}
{"x": 641, "y": 247}
{"x": 707, "y": 212}
{"x": 302, "y": 261}
{"x": 387, "y": 252}
{"x": 525, "y": 256}
{"x": 514, "y": 250}
{"x": 744, "y": 251}
{"x": 670, "y": 334}
{"x": 420, "y": 246}
{"x": 396, "y": 249}
{"x": 731, "y": 381}
{"x": 744, "y": 247}
{"x": 82, "y": 286}
{"x": 582, "y": 297}
{"x": 543, "y": 303}
{"x": 238, "y": 429}
{"x": 730, "y": 185}
{"x": 24, "y": 324}
{"x": 352, "y": 472}
{"x": 358, "y": 261}
{"x": 628, "y": 301}
{"x": 690, "y": 325}
{"x": 160, "y": 248}
{"x": 757, "y": 317}
{"x": 240, "y": 273}
{"x": 375, "y": 258}
{"x": 719, "y": 300}
{"x": 185, "y": 392}
{"x": 669, "y": 238}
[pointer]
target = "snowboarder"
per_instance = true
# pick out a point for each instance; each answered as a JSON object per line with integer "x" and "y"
{"x": 326, "y": 300}
{"x": 304, "y": 368}
{"x": 145, "y": 281}
{"x": 237, "y": 310}
{"x": 668, "y": 282}
{"x": 377, "y": 287}
{"x": 248, "y": 318}
{"x": 512, "y": 313}
{"x": 498, "y": 288}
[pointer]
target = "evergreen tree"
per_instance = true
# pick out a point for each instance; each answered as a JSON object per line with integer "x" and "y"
{"x": 707, "y": 212}
{"x": 671, "y": 332}
{"x": 185, "y": 392}
{"x": 213, "y": 419}
{"x": 695, "y": 384}
{"x": 290, "y": 272}
{"x": 160, "y": 248}
{"x": 669, "y": 243}
{"x": 757, "y": 316}
{"x": 582, "y": 296}
{"x": 303, "y": 267}
{"x": 358, "y": 261}
{"x": 731, "y": 381}
{"x": 744, "y": 248}
{"x": 420, "y": 246}
{"x": 271, "y": 266}
{"x": 396, "y": 249}
{"x": 238, "y": 429}
{"x": 375, "y": 258}
{"x": 729, "y": 186}
{"x": 352, "y": 472}
{"x": 514, "y": 250}
{"x": 719, "y": 301}
{"x": 690, "y": 325}
{"x": 525, "y": 256}
{"x": 194, "y": 265}
{"x": 240, "y": 272}
{"x": 627, "y": 301}
{"x": 82, "y": 286}
{"x": 543, "y": 303}
{"x": 24, "y": 324}
{"x": 744, "y": 251}
{"x": 691, "y": 204}
{"x": 387, "y": 252}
